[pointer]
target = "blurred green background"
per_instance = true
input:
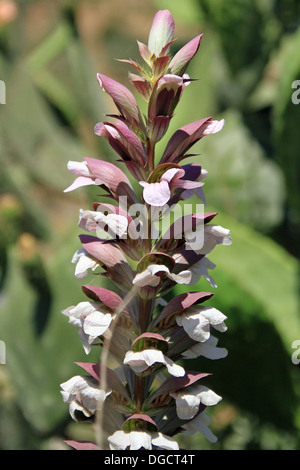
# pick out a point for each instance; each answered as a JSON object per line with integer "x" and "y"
{"x": 50, "y": 52}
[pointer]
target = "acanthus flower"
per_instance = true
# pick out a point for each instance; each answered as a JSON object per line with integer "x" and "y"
{"x": 153, "y": 273}
{"x": 198, "y": 320}
{"x": 82, "y": 394}
{"x": 150, "y": 397}
{"x": 91, "y": 320}
{"x": 158, "y": 193}
{"x": 140, "y": 361}
{"x": 83, "y": 262}
{"x": 140, "y": 432}
{"x": 188, "y": 400}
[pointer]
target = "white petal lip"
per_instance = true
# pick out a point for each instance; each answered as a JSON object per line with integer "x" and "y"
{"x": 159, "y": 193}
{"x": 207, "y": 397}
{"x": 206, "y": 349}
{"x": 169, "y": 174}
{"x": 135, "y": 440}
{"x": 201, "y": 269}
{"x": 156, "y": 194}
{"x": 84, "y": 262}
{"x": 187, "y": 406}
{"x": 200, "y": 424}
{"x": 196, "y": 321}
{"x": 97, "y": 323}
{"x": 140, "y": 439}
{"x": 174, "y": 369}
{"x": 214, "y": 235}
{"x": 140, "y": 361}
{"x": 150, "y": 276}
{"x": 182, "y": 278}
{"x": 91, "y": 220}
{"x": 197, "y": 328}
{"x": 79, "y": 182}
{"x": 163, "y": 441}
{"x": 119, "y": 440}
{"x": 188, "y": 400}
{"x": 80, "y": 310}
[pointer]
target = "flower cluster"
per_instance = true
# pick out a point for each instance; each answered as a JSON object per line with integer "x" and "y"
{"x": 149, "y": 397}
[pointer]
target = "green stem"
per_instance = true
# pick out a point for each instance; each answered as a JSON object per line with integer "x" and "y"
{"x": 139, "y": 382}
{"x": 151, "y": 154}
{"x": 139, "y": 390}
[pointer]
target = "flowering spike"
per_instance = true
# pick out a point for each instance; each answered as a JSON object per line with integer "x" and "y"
{"x": 131, "y": 241}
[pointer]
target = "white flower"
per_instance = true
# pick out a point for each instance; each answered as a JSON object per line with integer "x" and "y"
{"x": 212, "y": 235}
{"x": 215, "y": 235}
{"x": 91, "y": 319}
{"x": 189, "y": 399}
{"x": 97, "y": 220}
{"x": 200, "y": 424}
{"x": 201, "y": 269}
{"x": 82, "y": 394}
{"x": 206, "y": 349}
{"x": 197, "y": 322}
{"x": 140, "y": 361}
{"x": 135, "y": 440}
{"x": 151, "y": 276}
{"x": 84, "y": 262}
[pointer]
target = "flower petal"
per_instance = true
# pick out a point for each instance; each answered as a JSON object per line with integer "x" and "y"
{"x": 206, "y": 349}
{"x": 164, "y": 442}
{"x": 80, "y": 310}
{"x": 97, "y": 323}
{"x": 197, "y": 327}
{"x": 84, "y": 262}
{"x": 156, "y": 194}
{"x": 200, "y": 424}
{"x": 79, "y": 182}
{"x": 187, "y": 405}
{"x": 207, "y": 397}
{"x": 184, "y": 277}
{"x": 139, "y": 439}
{"x": 173, "y": 369}
{"x": 148, "y": 277}
{"x": 120, "y": 440}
